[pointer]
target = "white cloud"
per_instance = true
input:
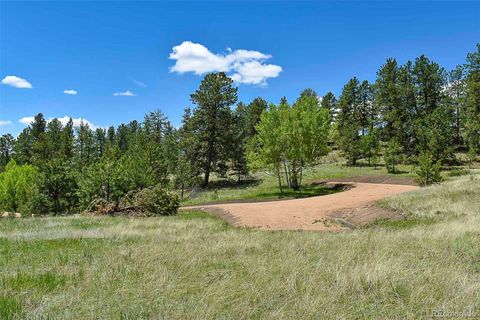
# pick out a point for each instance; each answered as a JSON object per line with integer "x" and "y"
{"x": 64, "y": 120}
{"x": 16, "y": 82}
{"x": 126, "y": 94}
{"x": 139, "y": 83}
{"x": 26, "y": 120}
{"x": 69, "y": 91}
{"x": 5, "y": 122}
{"x": 245, "y": 66}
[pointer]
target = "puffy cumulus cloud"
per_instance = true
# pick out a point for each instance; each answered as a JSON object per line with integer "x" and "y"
{"x": 16, "y": 82}
{"x": 125, "y": 94}
{"x": 64, "y": 120}
{"x": 26, "y": 120}
{"x": 5, "y": 122}
{"x": 244, "y": 66}
{"x": 70, "y": 91}
{"x": 254, "y": 72}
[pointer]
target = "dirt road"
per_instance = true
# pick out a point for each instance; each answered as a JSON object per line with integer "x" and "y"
{"x": 329, "y": 212}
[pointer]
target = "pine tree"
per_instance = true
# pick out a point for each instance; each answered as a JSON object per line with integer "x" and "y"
{"x": 388, "y": 97}
{"x": 457, "y": 92}
{"x": 349, "y": 125}
{"x": 6, "y": 150}
{"x": 212, "y": 119}
{"x": 254, "y": 111}
{"x": 329, "y": 102}
{"x": 68, "y": 141}
{"x": 472, "y": 103}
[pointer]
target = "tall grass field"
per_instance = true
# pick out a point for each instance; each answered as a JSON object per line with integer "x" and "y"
{"x": 193, "y": 266}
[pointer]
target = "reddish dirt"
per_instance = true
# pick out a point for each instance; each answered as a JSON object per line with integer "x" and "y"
{"x": 331, "y": 212}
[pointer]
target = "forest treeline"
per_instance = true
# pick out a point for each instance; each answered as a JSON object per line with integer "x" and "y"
{"x": 416, "y": 112}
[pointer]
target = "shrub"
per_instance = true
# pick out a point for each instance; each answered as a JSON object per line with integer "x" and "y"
{"x": 18, "y": 188}
{"x": 428, "y": 171}
{"x": 156, "y": 201}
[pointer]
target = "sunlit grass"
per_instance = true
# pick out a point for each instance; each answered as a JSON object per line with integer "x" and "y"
{"x": 193, "y": 266}
{"x": 265, "y": 185}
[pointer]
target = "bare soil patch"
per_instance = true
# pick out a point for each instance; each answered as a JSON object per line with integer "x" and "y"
{"x": 334, "y": 212}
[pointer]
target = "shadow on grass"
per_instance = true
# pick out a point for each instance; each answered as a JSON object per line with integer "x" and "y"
{"x": 306, "y": 192}
{"x": 233, "y": 184}
{"x": 288, "y": 193}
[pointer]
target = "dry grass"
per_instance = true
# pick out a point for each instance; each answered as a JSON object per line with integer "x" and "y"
{"x": 197, "y": 267}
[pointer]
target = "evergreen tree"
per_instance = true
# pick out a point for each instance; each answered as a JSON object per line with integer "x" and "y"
{"x": 53, "y": 136}
{"x": 457, "y": 92}
{"x": 349, "y": 125}
{"x": 68, "y": 141}
{"x": 212, "y": 119}
{"x": 40, "y": 144}
{"x": 388, "y": 97}
{"x": 329, "y": 102}
{"x": 84, "y": 145}
{"x": 23, "y": 148}
{"x": 100, "y": 142}
{"x": 6, "y": 150}
{"x": 254, "y": 111}
{"x": 472, "y": 103}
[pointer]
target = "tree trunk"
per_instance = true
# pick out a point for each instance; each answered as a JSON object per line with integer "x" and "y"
{"x": 208, "y": 166}
{"x": 279, "y": 179}
{"x": 294, "y": 178}
{"x": 286, "y": 173}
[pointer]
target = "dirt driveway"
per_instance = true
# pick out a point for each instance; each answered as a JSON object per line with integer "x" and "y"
{"x": 330, "y": 212}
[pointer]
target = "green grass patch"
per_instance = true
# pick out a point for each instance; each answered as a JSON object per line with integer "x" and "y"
{"x": 10, "y": 308}
{"x": 45, "y": 282}
{"x": 402, "y": 224}
{"x": 188, "y": 265}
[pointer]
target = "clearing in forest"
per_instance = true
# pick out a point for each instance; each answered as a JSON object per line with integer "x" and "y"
{"x": 331, "y": 212}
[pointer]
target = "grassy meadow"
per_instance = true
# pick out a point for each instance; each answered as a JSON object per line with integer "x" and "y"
{"x": 193, "y": 266}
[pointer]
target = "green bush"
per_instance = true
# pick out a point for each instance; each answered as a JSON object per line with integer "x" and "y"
{"x": 428, "y": 171}
{"x": 157, "y": 201}
{"x": 18, "y": 188}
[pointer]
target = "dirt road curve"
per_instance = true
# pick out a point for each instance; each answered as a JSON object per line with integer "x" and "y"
{"x": 315, "y": 213}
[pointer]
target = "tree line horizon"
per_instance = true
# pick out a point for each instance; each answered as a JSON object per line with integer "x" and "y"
{"x": 415, "y": 113}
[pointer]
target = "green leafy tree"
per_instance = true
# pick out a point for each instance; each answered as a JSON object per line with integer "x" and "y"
{"x": 266, "y": 149}
{"x": 18, "y": 187}
{"x": 294, "y": 136}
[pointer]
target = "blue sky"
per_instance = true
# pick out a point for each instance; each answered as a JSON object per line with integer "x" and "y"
{"x": 273, "y": 49}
